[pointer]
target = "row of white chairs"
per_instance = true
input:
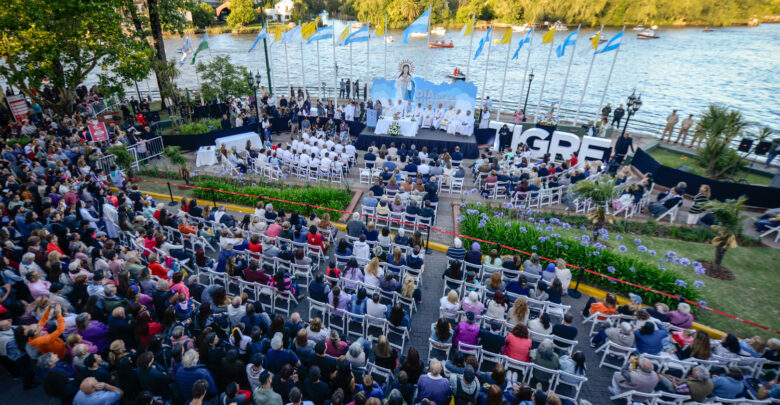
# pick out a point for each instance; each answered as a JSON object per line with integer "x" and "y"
{"x": 666, "y": 398}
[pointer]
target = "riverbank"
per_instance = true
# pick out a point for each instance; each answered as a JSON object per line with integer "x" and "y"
{"x": 483, "y": 25}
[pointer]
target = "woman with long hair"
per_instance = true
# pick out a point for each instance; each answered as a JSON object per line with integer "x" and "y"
{"x": 412, "y": 365}
{"x": 699, "y": 347}
{"x": 441, "y": 331}
{"x": 384, "y": 354}
{"x": 519, "y": 312}
{"x": 374, "y": 273}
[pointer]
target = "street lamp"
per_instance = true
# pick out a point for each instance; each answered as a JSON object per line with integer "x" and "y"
{"x": 530, "y": 80}
{"x": 632, "y": 105}
{"x": 254, "y": 84}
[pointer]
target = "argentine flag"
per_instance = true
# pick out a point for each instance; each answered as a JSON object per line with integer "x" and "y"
{"x": 292, "y": 36}
{"x": 525, "y": 40}
{"x": 614, "y": 43}
{"x": 419, "y": 25}
{"x": 322, "y": 33}
{"x": 482, "y": 41}
{"x": 570, "y": 40}
{"x": 360, "y": 35}
{"x": 260, "y": 35}
{"x": 185, "y": 49}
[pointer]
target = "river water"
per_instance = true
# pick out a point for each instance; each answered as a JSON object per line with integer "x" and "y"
{"x": 686, "y": 68}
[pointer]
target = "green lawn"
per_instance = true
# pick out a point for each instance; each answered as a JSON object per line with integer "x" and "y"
{"x": 675, "y": 160}
{"x": 752, "y": 288}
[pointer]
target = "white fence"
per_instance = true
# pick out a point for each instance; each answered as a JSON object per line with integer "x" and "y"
{"x": 145, "y": 150}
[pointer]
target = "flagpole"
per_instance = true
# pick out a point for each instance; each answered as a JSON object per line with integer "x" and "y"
{"x": 544, "y": 79}
{"x": 286, "y": 63}
{"x": 384, "y": 38}
{"x": 487, "y": 65}
{"x": 609, "y": 76}
{"x": 303, "y": 72}
{"x": 427, "y": 47}
{"x": 335, "y": 72}
{"x": 525, "y": 71}
{"x": 587, "y": 79}
{"x": 368, "y": 63}
{"x": 350, "y": 57}
{"x": 471, "y": 43}
{"x": 319, "y": 79}
{"x": 571, "y": 59}
{"x": 503, "y": 82}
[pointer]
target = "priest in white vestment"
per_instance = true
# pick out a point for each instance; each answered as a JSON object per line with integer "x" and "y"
{"x": 427, "y": 117}
{"x": 449, "y": 115}
{"x": 454, "y": 123}
{"x": 389, "y": 110}
{"x": 400, "y": 108}
{"x": 465, "y": 124}
{"x": 417, "y": 113}
{"x": 438, "y": 116}
{"x": 484, "y": 119}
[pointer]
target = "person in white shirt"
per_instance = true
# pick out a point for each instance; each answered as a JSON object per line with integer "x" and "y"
{"x": 465, "y": 124}
{"x": 329, "y": 143}
{"x": 349, "y": 112}
{"x": 389, "y": 110}
{"x": 399, "y": 109}
{"x": 423, "y": 169}
{"x": 239, "y": 120}
{"x": 408, "y": 110}
{"x": 427, "y": 117}
{"x": 304, "y": 160}
{"x": 454, "y": 123}
{"x": 325, "y": 162}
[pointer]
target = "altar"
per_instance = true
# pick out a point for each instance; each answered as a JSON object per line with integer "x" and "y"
{"x": 408, "y": 126}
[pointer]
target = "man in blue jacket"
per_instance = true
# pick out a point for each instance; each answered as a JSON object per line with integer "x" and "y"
{"x": 190, "y": 372}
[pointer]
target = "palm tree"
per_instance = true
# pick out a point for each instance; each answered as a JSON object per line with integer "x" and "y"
{"x": 409, "y": 9}
{"x": 719, "y": 126}
{"x": 729, "y": 228}
{"x": 601, "y": 193}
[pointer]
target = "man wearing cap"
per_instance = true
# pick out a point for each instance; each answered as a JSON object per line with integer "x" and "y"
{"x": 465, "y": 388}
{"x": 467, "y": 331}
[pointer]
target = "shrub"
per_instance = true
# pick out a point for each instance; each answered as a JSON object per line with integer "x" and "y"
{"x": 524, "y": 236}
{"x": 23, "y": 141}
{"x": 333, "y": 198}
{"x": 199, "y": 127}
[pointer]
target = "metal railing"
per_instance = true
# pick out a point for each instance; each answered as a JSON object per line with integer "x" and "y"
{"x": 106, "y": 163}
{"x": 145, "y": 150}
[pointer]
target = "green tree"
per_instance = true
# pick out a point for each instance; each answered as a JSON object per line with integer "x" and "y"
{"x": 242, "y": 12}
{"x": 65, "y": 41}
{"x": 404, "y": 10}
{"x": 718, "y": 126}
{"x": 222, "y": 79}
{"x": 203, "y": 15}
{"x": 370, "y": 10}
{"x": 600, "y": 193}
{"x": 729, "y": 227}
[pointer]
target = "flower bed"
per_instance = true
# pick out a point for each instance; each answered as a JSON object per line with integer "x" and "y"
{"x": 525, "y": 232}
{"x": 334, "y": 198}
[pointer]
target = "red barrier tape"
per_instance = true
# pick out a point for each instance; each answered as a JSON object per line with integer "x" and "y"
{"x": 477, "y": 240}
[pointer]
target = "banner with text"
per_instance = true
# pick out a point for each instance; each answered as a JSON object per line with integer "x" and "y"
{"x": 98, "y": 131}
{"x": 18, "y": 106}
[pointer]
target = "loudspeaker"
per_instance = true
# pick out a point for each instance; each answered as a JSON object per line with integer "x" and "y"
{"x": 762, "y": 148}
{"x": 745, "y": 145}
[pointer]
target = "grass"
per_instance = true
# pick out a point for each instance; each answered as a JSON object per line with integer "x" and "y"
{"x": 749, "y": 296}
{"x": 674, "y": 160}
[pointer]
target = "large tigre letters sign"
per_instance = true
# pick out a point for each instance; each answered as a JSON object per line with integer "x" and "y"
{"x": 563, "y": 144}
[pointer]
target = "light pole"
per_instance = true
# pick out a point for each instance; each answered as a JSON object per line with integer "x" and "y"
{"x": 254, "y": 84}
{"x": 632, "y": 105}
{"x": 530, "y": 80}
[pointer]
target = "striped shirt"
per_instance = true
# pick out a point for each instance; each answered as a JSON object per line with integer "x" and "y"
{"x": 698, "y": 201}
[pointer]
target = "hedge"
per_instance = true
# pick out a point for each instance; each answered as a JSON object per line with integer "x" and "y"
{"x": 334, "y": 198}
{"x": 480, "y": 223}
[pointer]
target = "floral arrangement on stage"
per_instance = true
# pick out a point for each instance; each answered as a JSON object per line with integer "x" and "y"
{"x": 548, "y": 120}
{"x": 394, "y": 129}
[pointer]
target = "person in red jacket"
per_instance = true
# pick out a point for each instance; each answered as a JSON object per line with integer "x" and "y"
{"x": 145, "y": 328}
{"x": 314, "y": 238}
{"x": 156, "y": 268}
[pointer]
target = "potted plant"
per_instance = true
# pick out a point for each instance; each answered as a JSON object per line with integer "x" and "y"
{"x": 173, "y": 153}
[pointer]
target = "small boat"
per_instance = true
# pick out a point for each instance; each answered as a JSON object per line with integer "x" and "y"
{"x": 438, "y": 31}
{"x": 647, "y": 34}
{"x": 389, "y": 39}
{"x": 418, "y": 35}
{"x": 654, "y": 27}
{"x": 521, "y": 28}
{"x": 639, "y": 28}
{"x": 707, "y": 29}
{"x": 456, "y": 75}
{"x": 559, "y": 26}
{"x": 441, "y": 44}
{"x": 357, "y": 25}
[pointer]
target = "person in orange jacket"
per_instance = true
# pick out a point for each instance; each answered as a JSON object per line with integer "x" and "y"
{"x": 49, "y": 342}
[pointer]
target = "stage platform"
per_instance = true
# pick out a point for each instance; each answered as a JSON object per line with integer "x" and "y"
{"x": 425, "y": 137}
